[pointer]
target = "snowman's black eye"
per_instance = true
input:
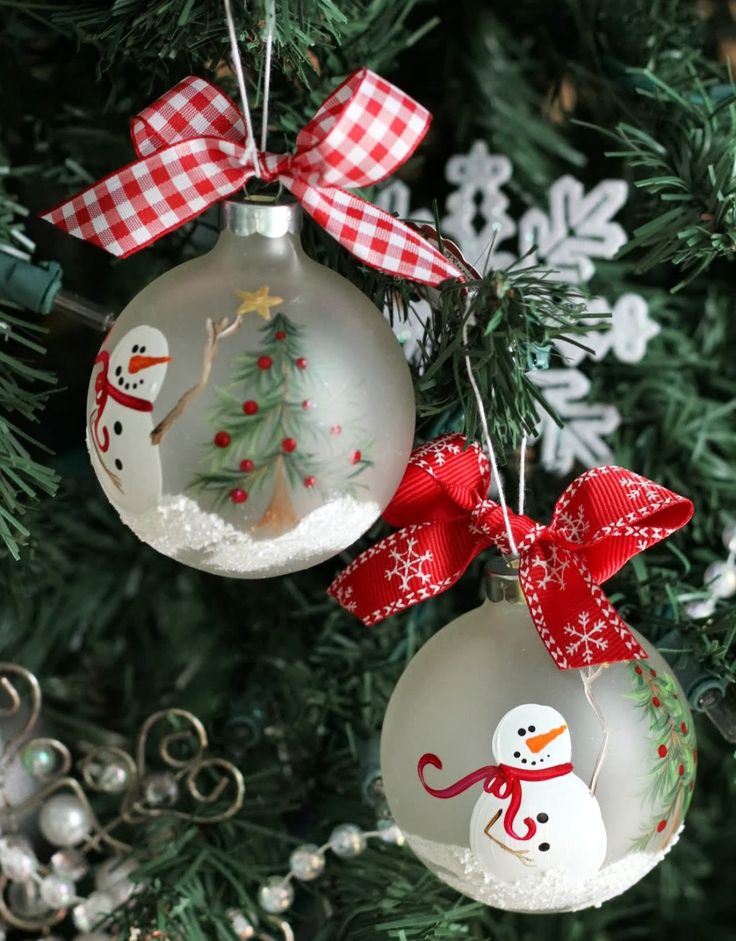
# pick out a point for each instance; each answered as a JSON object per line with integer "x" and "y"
{"x": 532, "y": 728}
{"x": 522, "y": 731}
{"x": 143, "y": 349}
{"x": 135, "y": 349}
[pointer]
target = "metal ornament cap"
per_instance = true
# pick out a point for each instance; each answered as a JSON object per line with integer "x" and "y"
{"x": 501, "y": 582}
{"x": 269, "y": 216}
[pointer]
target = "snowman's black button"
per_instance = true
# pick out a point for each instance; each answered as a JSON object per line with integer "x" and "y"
{"x": 118, "y": 463}
{"x": 543, "y": 847}
{"x": 117, "y": 428}
{"x": 542, "y": 818}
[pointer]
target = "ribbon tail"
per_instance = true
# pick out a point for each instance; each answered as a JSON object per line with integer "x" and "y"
{"x": 575, "y": 620}
{"x": 372, "y": 235}
{"x": 409, "y": 566}
{"x": 141, "y": 202}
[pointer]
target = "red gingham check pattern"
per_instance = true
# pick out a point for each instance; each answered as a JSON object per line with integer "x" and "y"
{"x": 190, "y": 144}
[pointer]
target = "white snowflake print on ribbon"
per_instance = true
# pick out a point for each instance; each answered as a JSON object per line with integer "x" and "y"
{"x": 409, "y": 565}
{"x": 584, "y": 637}
{"x": 552, "y": 568}
{"x": 574, "y": 527}
{"x": 576, "y": 229}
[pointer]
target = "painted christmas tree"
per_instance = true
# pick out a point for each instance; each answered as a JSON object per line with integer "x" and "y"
{"x": 674, "y": 761}
{"x": 271, "y": 434}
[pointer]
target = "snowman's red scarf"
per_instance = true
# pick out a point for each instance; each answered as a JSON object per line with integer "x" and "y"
{"x": 104, "y": 389}
{"x": 502, "y": 781}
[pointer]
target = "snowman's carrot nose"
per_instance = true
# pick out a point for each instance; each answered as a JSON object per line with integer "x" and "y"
{"x": 537, "y": 742}
{"x": 136, "y": 363}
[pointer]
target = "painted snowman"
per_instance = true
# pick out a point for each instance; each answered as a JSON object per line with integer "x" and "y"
{"x": 534, "y": 814}
{"x": 119, "y": 427}
{"x": 558, "y": 823}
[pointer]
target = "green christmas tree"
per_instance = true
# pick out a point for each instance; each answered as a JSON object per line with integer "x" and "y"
{"x": 271, "y": 434}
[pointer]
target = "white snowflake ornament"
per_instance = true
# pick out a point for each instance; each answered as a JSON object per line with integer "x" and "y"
{"x": 568, "y": 237}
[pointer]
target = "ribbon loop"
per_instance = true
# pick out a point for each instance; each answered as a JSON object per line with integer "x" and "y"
{"x": 606, "y": 516}
{"x": 191, "y": 109}
{"x": 190, "y": 144}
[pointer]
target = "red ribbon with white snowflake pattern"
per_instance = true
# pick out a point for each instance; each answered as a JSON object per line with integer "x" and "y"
{"x": 605, "y": 517}
{"x": 190, "y": 144}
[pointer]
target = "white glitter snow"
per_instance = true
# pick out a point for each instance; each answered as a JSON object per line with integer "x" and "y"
{"x": 549, "y": 892}
{"x": 179, "y": 528}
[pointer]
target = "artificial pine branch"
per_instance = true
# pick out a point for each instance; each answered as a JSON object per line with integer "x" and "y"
{"x": 24, "y": 388}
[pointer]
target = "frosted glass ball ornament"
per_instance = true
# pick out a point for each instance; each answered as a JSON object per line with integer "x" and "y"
{"x": 250, "y": 413}
{"x": 64, "y": 820}
{"x": 484, "y": 690}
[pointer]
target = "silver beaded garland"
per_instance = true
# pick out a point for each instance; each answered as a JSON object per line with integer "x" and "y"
{"x": 276, "y": 895}
{"x": 70, "y": 864}
{"x": 17, "y": 860}
{"x": 92, "y": 910}
{"x": 161, "y": 790}
{"x": 57, "y": 892}
{"x": 307, "y": 862}
{"x": 347, "y": 841}
{"x": 39, "y": 759}
{"x": 64, "y": 820}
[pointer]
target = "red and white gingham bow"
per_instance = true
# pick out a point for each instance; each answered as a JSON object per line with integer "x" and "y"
{"x": 604, "y": 518}
{"x": 191, "y": 148}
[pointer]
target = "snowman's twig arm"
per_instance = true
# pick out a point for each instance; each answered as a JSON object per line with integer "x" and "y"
{"x": 521, "y": 855}
{"x": 215, "y": 332}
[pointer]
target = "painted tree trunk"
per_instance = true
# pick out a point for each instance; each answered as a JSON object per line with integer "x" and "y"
{"x": 280, "y": 515}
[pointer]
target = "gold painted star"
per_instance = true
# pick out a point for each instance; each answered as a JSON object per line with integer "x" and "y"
{"x": 258, "y": 302}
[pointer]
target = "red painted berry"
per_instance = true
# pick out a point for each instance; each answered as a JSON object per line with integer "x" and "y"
{"x": 280, "y": 334}
{"x": 653, "y": 672}
{"x": 656, "y": 701}
{"x": 307, "y": 404}
{"x": 301, "y": 362}
{"x": 662, "y": 751}
{"x": 683, "y": 728}
{"x": 336, "y": 430}
{"x": 247, "y": 465}
{"x": 238, "y": 495}
{"x": 355, "y": 457}
{"x": 250, "y": 407}
{"x": 638, "y": 670}
{"x": 288, "y": 445}
{"x": 681, "y": 770}
{"x": 222, "y": 439}
{"x": 265, "y": 362}
{"x": 310, "y": 481}
{"x": 661, "y": 825}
